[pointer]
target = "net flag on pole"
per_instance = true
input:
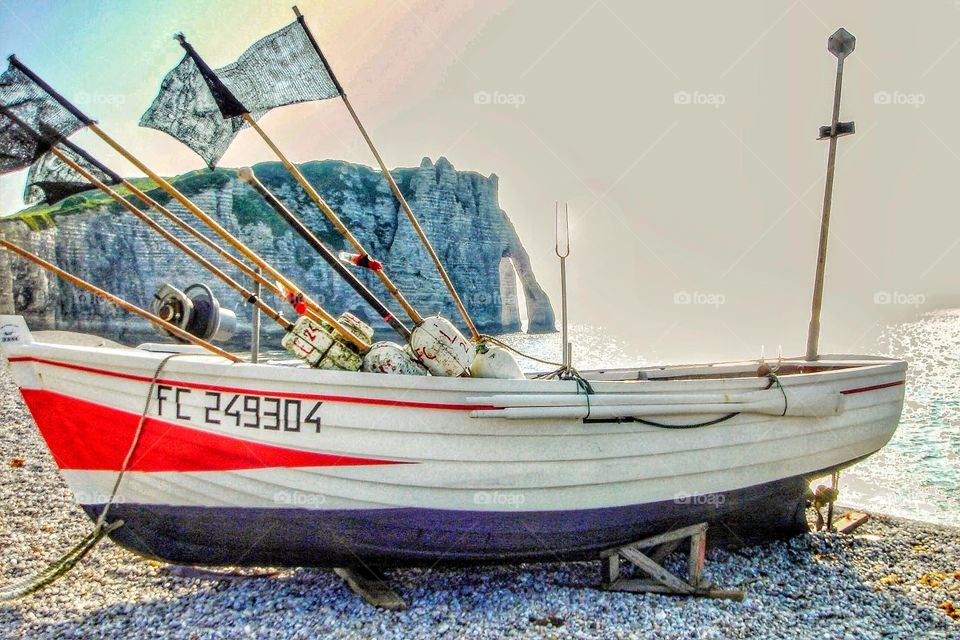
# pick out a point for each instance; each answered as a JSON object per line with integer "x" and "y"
{"x": 23, "y": 100}
{"x": 51, "y": 180}
{"x": 203, "y": 108}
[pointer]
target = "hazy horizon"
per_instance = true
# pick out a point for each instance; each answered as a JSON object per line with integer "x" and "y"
{"x": 682, "y": 136}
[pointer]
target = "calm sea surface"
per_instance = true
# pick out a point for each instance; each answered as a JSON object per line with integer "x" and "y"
{"x": 917, "y": 475}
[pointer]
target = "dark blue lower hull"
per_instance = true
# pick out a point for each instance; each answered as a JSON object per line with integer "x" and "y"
{"x": 406, "y": 537}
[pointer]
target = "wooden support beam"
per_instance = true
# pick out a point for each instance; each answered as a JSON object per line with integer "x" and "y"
{"x": 660, "y": 554}
{"x": 610, "y": 569}
{"x": 850, "y": 521}
{"x": 698, "y": 555}
{"x": 662, "y": 580}
{"x": 372, "y": 587}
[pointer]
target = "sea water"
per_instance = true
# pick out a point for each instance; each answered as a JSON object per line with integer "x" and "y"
{"x": 917, "y": 475}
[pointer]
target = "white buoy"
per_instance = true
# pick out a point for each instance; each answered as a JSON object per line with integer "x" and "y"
{"x": 495, "y": 362}
{"x": 441, "y": 347}
{"x": 391, "y": 358}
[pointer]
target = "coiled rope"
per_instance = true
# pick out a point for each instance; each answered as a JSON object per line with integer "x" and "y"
{"x": 61, "y": 566}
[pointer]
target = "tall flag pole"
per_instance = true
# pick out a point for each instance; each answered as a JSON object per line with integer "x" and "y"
{"x": 393, "y": 184}
{"x": 841, "y": 44}
{"x": 232, "y": 108}
{"x": 314, "y": 310}
{"x": 86, "y": 172}
{"x": 76, "y": 163}
{"x": 248, "y": 296}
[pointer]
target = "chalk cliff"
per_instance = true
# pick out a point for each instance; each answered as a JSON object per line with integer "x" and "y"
{"x": 95, "y": 239}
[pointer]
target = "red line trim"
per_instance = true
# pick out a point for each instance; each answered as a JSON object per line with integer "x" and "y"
{"x": 872, "y": 388}
{"x": 272, "y": 394}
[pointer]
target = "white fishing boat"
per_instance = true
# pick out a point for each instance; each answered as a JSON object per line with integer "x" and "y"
{"x": 252, "y": 464}
{"x": 189, "y": 454}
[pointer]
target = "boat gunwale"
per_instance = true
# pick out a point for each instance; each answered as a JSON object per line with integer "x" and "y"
{"x": 131, "y": 362}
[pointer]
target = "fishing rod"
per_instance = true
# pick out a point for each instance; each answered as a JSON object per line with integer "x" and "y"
{"x": 841, "y": 44}
{"x": 247, "y": 295}
{"x": 393, "y": 184}
{"x": 247, "y": 175}
{"x": 120, "y": 302}
{"x": 363, "y": 259}
{"x": 318, "y": 311}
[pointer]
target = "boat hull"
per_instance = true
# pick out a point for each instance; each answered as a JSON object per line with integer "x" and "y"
{"x": 429, "y": 537}
{"x": 247, "y": 464}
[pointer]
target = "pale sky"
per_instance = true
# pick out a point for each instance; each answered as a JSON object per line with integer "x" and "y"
{"x": 681, "y": 134}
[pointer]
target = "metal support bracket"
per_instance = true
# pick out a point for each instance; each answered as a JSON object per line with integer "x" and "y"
{"x": 661, "y": 580}
{"x": 843, "y": 129}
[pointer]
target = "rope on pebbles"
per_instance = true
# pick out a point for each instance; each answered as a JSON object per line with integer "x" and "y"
{"x": 61, "y": 566}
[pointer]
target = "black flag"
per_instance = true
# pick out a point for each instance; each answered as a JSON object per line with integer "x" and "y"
{"x": 203, "y": 108}
{"x": 24, "y": 98}
{"x": 51, "y": 179}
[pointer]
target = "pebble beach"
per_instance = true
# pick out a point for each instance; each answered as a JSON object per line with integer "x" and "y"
{"x": 891, "y": 578}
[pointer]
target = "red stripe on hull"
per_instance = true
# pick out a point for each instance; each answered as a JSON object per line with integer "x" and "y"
{"x": 84, "y": 435}
{"x": 872, "y": 388}
{"x": 272, "y": 394}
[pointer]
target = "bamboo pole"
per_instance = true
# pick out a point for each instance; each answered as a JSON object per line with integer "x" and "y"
{"x": 318, "y": 311}
{"x": 192, "y": 231}
{"x": 229, "y": 237}
{"x": 195, "y": 233}
{"x": 413, "y": 220}
{"x": 334, "y": 219}
{"x": 393, "y": 184}
{"x": 149, "y": 201}
{"x": 120, "y": 302}
{"x": 247, "y": 295}
{"x": 247, "y": 175}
